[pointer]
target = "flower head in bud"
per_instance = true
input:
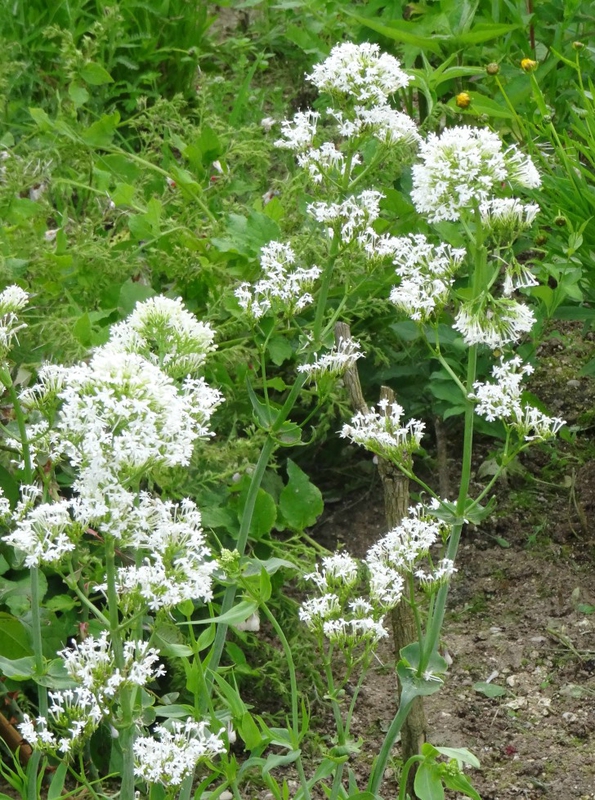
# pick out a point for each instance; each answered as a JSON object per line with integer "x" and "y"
{"x": 493, "y": 68}
{"x": 528, "y": 65}
{"x": 463, "y": 100}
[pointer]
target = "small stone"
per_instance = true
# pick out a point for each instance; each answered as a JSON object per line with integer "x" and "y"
{"x": 573, "y": 384}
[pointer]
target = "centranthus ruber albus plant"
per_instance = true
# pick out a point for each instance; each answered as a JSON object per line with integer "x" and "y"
{"x": 137, "y": 407}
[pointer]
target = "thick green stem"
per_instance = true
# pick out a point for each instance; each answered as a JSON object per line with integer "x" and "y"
{"x": 126, "y": 724}
{"x": 379, "y": 766}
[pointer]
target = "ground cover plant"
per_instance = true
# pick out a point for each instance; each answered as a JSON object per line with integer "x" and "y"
{"x": 170, "y": 367}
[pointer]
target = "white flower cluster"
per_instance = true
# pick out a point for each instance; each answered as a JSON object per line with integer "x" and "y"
{"x": 75, "y": 713}
{"x": 401, "y": 550}
{"x": 46, "y": 533}
{"x": 12, "y": 300}
{"x": 282, "y": 288}
{"x": 336, "y": 361}
{"x": 355, "y": 214}
{"x": 462, "y": 167}
{"x": 299, "y": 133}
{"x": 175, "y": 753}
{"x": 494, "y": 321}
{"x": 360, "y": 71}
{"x": 338, "y": 615}
{"x": 383, "y": 432}
{"x": 363, "y": 78}
{"x": 502, "y": 400}
{"x": 506, "y": 217}
{"x": 176, "y": 565}
{"x": 163, "y": 332}
{"x": 426, "y": 271}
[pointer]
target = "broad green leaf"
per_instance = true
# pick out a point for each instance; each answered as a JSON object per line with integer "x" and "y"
{"x": 300, "y": 502}
{"x": 279, "y": 350}
{"x": 131, "y": 293}
{"x": 9, "y": 486}
{"x": 57, "y": 782}
{"x": 19, "y": 669}
{"x": 460, "y": 754}
{"x": 274, "y": 761}
{"x": 94, "y": 74}
{"x": 483, "y": 32}
{"x": 122, "y": 194}
{"x": 481, "y": 106}
{"x": 249, "y": 731}
{"x": 489, "y": 689}
{"x": 239, "y": 613}
{"x": 101, "y": 133}
{"x": 41, "y": 119}
{"x": 427, "y": 784}
{"x": 78, "y": 94}
{"x": 247, "y": 235}
{"x": 264, "y": 515}
{"x": 13, "y": 637}
{"x": 459, "y": 783}
{"x": 400, "y": 32}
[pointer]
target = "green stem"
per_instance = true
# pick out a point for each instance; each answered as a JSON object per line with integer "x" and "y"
{"x": 379, "y": 766}
{"x": 405, "y": 775}
{"x": 126, "y": 727}
{"x": 295, "y": 718}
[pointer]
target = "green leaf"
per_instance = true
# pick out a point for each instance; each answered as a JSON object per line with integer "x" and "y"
{"x": 481, "y": 106}
{"x": 101, "y": 133}
{"x": 9, "y": 486}
{"x": 427, "y": 784}
{"x": 94, "y": 74}
{"x": 19, "y": 669}
{"x": 461, "y": 755}
{"x": 209, "y": 145}
{"x": 489, "y": 689}
{"x": 41, "y": 119}
{"x": 300, "y": 501}
{"x": 14, "y": 637}
{"x": 78, "y": 94}
{"x": 247, "y": 235}
{"x": 401, "y": 32}
{"x": 249, "y": 731}
{"x": 122, "y": 194}
{"x": 264, "y": 515}
{"x": 263, "y": 413}
{"x": 274, "y": 761}
{"x": 483, "y": 33}
{"x": 239, "y": 613}
{"x": 459, "y": 783}
{"x": 131, "y": 293}
{"x": 57, "y": 782}
{"x": 279, "y": 350}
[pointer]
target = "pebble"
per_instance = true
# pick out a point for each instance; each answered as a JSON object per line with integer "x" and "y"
{"x": 573, "y": 384}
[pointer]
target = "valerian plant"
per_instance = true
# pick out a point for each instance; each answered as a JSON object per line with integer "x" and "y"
{"x": 137, "y": 407}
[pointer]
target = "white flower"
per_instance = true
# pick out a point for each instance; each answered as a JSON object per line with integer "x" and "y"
{"x": 502, "y": 400}
{"x": 493, "y": 321}
{"x": 355, "y": 214}
{"x": 361, "y": 72}
{"x": 123, "y": 415}
{"x": 441, "y": 574}
{"x": 176, "y": 751}
{"x": 317, "y": 609}
{"x": 166, "y": 334}
{"x": 46, "y": 533}
{"x": 336, "y": 361}
{"x": 461, "y": 168}
{"x": 391, "y": 127}
{"x": 177, "y": 563}
{"x": 325, "y": 160}
{"x": 282, "y": 288}
{"x": 384, "y": 434}
{"x": 12, "y": 300}
{"x": 338, "y": 570}
{"x": 506, "y": 217}
{"x": 298, "y": 133}
{"x": 427, "y": 273}
{"x": 267, "y": 123}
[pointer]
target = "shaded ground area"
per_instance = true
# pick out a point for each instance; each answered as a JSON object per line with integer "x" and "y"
{"x": 522, "y": 618}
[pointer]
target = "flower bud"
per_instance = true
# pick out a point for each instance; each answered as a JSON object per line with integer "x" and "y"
{"x": 528, "y": 65}
{"x": 463, "y": 100}
{"x": 578, "y": 45}
{"x": 493, "y": 68}
{"x": 560, "y": 221}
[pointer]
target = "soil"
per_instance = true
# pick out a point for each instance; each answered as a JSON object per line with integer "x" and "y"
{"x": 521, "y": 614}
